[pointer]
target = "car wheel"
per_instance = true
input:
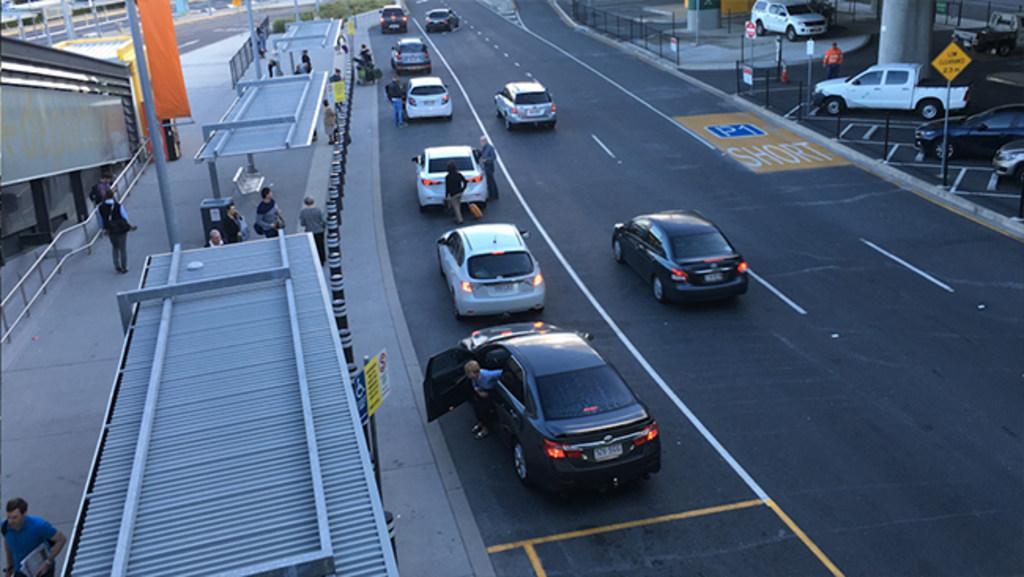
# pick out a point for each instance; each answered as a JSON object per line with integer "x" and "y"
{"x": 508, "y": 124}
{"x": 455, "y": 307}
{"x": 617, "y": 250}
{"x": 929, "y": 109}
{"x": 423, "y": 208}
{"x": 1020, "y": 175}
{"x": 1004, "y": 49}
{"x": 551, "y": 125}
{"x": 448, "y": 118}
{"x": 497, "y": 112}
{"x": 791, "y": 34}
{"x": 657, "y": 289}
{"x": 834, "y": 106}
{"x": 519, "y": 463}
{"x": 950, "y": 150}
{"x": 759, "y": 28}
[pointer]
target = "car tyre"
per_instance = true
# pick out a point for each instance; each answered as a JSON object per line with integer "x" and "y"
{"x": 929, "y": 109}
{"x": 508, "y": 124}
{"x": 519, "y": 463}
{"x": 658, "y": 289}
{"x": 834, "y": 106}
{"x": 449, "y": 117}
{"x": 758, "y": 28}
{"x": 1004, "y": 49}
{"x": 617, "y": 250}
{"x": 950, "y": 150}
{"x": 791, "y": 34}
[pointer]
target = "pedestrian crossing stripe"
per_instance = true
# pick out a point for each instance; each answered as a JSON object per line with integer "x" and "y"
{"x": 759, "y": 146}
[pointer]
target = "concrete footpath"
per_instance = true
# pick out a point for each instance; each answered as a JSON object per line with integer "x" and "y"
{"x": 57, "y": 372}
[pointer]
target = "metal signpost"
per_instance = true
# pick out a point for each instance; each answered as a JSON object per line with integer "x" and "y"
{"x": 750, "y": 30}
{"x": 810, "y": 62}
{"x": 950, "y": 63}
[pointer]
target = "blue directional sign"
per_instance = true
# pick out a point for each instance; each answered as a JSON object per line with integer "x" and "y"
{"x": 359, "y": 388}
{"x": 734, "y": 130}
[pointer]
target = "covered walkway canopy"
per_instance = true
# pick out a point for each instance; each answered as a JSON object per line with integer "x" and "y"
{"x": 232, "y": 442}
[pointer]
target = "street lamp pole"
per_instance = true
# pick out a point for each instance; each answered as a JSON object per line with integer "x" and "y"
{"x": 170, "y": 217}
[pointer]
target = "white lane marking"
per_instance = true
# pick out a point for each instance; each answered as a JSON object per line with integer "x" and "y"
{"x": 187, "y": 44}
{"x": 892, "y": 151}
{"x": 506, "y": 54}
{"x": 987, "y": 194}
{"x": 479, "y": 33}
{"x": 495, "y": 46}
{"x": 792, "y": 304}
{"x": 624, "y": 90}
{"x": 867, "y": 135}
{"x": 959, "y": 178}
{"x": 843, "y": 133}
{"x": 517, "y": 64}
{"x": 528, "y": 75}
{"x": 601, "y": 144}
{"x": 993, "y": 182}
{"x": 671, "y": 394}
{"x": 913, "y": 268}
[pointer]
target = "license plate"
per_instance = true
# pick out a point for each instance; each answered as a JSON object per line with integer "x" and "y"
{"x": 609, "y": 452}
{"x": 429, "y": 103}
{"x": 714, "y": 277}
{"x": 503, "y": 289}
{"x": 535, "y": 112}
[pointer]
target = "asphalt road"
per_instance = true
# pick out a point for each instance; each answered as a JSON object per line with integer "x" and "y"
{"x": 884, "y": 422}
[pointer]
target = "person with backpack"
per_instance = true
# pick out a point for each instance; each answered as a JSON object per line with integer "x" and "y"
{"x": 99, "y": 190}
{"x": 269, "y": 221}
{"x": 454, "y": 185}
{"x": 117, "y": 226}
{"x": 23, "y": 536}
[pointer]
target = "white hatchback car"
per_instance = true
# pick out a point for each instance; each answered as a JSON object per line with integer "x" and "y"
{"x": 489, "y": 270}
{"x": 432, "y": 166}
{"x": 427, "y": 97}
{"x": 794, "y": 18}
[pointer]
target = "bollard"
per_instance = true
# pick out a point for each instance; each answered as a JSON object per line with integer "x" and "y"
{"x": 392, "y": 523}
{"x": 885, "y": 149}
{"x": 839, "y": 117}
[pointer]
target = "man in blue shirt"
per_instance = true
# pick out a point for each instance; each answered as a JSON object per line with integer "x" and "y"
{"x": 483, "y": 381}
{"x": 23, "y": 533}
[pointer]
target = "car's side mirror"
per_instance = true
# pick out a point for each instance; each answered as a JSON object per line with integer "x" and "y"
{"x": 618, "y": 226}
{"x": 587, "y": 336}
{"x": 524, "y": 233}
{"x": 855, "y": 82}
{"x": 416, "y": 159}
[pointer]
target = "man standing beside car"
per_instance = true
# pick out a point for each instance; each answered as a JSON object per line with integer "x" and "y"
{"x": 395, "y": 94}
{"x": 454, "y": 186}
{"x": 488, "y": 157}
{"x": 833, "y": 58}
{"x": 483, "y": 381}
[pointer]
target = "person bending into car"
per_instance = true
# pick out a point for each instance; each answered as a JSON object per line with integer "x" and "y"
{"x": 483, "y": 381}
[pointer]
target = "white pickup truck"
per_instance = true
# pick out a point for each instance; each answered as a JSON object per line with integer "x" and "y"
{"x": 888, "y": 87}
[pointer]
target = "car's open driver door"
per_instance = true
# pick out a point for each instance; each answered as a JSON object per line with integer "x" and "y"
{"x": 445, "y": 385}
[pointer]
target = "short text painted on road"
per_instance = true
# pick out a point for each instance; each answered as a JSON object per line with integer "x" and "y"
{"x": 758, "y": 145}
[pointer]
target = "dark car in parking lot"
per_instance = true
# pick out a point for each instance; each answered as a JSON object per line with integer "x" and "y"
{"x": 566, "y": 414}
{"x": 979, "y": 135}
{"x": 393, "y": 19}
{"x": 441, "y": 19}
{"x": 682, "y": 254}
{"x": 410, "y": 55}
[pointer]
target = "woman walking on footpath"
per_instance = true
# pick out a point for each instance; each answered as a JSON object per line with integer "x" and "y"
{"x": 269, "y": 221}
{"x": 116, "y": 224}
{"x": 312, "y": 220}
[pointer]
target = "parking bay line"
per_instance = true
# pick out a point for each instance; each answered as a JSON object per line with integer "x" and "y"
{"x": 909, "y": 266}
{"x": 603, "y": 313}
{"x": 601, "y": 144}
{"x": 626, "y": 525}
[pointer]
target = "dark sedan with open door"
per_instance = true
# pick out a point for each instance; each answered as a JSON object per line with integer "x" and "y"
{"x": 566, "y": 415}
{"x": 683, "y": 255}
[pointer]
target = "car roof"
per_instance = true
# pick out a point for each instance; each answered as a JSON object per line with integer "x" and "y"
{"x": 393, "y": 7}
{"x": 441, "y": 10}
{"x": 425, "y": 81}
{"x": 525, "y": 86}
{"x": 789, "y": 2}
{"x": 680, "y": 222}
{"x": 407, "y": 41}
{"x": 895, "y": 66}
{"x": 486, "y": 238}
{"x": 447, "y": 151}
{"x": 554, "y": 352}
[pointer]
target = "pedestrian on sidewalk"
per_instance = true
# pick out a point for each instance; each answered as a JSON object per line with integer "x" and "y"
{"x": 23, "y": 534}
{"x": 98, "y": 192}
{"x": 116, "y": 224}
{"x": 483, "y": 381}
{"x": 235, "y": 227}
{"x": 336, "y": 77}
{"x": 488, "y": 157}
{"x": 454, "y": 186}
{"x": 269, "y": 221}
{"x": 307, "y": 62}
{"x": 833, "y": 58}
{"x": 215, "y": 239}
{"x": 312, "y": 220}
{"x": 366, "y": 56}
{"x": 330, "y": 123}
{"x": 396, "y": 94}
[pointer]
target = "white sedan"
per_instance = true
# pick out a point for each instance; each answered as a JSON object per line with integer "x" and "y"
{"x": 432, "y": 167}
{"x": 489, "y": 270}
{"x": 427, "y": 97}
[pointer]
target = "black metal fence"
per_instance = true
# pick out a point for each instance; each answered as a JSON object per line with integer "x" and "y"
{"x": 240, "y": 62}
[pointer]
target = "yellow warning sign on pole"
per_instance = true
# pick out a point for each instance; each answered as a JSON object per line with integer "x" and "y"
{"x": 951, "y": 61}
{"x": 338, "y": 87}
{"x": 351, "y": 27}
{"x": 377, "y": 385}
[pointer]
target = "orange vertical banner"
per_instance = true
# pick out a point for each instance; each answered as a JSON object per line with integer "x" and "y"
{"x": 169, "y": 95}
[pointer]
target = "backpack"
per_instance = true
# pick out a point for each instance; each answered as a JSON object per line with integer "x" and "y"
{"x": 99, "y": 192}
{"x": 116, "y": 224}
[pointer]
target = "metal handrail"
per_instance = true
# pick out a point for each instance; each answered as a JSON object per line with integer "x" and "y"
{"x": 90, "y": 229}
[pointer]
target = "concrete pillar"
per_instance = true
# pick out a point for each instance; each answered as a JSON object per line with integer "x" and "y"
{"x": 906, "y": 32}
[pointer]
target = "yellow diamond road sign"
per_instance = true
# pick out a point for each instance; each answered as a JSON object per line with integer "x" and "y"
{"x": 951, "y": 61}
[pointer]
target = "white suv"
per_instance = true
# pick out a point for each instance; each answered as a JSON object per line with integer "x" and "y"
{"x": 792, "y": 17}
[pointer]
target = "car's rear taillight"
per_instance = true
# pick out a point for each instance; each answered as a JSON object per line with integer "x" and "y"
{"x": 405, "y": 18}
{"x": 476, "y": 178}
{"x": 647, "y": 435}
{"x": 679, "y": 275}
{"x": 553, "y": 107}
{"x": 742, "y": 267}
{"x": 466, "y": 286}
{"x": 558, "y": 451}
{"x": 412, "y": 101}
{"x": 515, "y": 110}
{"x": 444, "y": 99}
{"x": 537, "y": 279}
{"x": 428, "y": 182}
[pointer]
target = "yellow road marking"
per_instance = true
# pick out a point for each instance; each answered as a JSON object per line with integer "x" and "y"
{"x": 535, "y": 561}
{"x": 759, "y": 145}
{"x": 529, "y": 543}
{"x": 804, "y": 538}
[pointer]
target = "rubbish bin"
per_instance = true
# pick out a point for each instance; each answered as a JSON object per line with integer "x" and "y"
{"x": 213, "y": 212}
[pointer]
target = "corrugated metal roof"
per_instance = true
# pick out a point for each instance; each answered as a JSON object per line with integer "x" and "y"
{"x": 308, "y": 35}
{"x": 251, "y": 458}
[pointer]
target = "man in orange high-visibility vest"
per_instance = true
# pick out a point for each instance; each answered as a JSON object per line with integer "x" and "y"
{"x": 833, "y": 58}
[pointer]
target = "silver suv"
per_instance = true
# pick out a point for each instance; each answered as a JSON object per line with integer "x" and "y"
{"x": 525, "y": 103}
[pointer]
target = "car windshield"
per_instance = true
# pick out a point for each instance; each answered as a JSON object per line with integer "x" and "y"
{"x": 438, "y": 14}
{"x": 697, "y": 245}
{"x": 580, "y": 393}
{"x": 533, "y": 98}
{"x": 799, "y": 9}
{"x": 392, "y": 12}
{"x": 441, "y": 164}
{"x": 502, "y": 264}
{"x": 412, "y": 47}
{"x": 428, "y": 90}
